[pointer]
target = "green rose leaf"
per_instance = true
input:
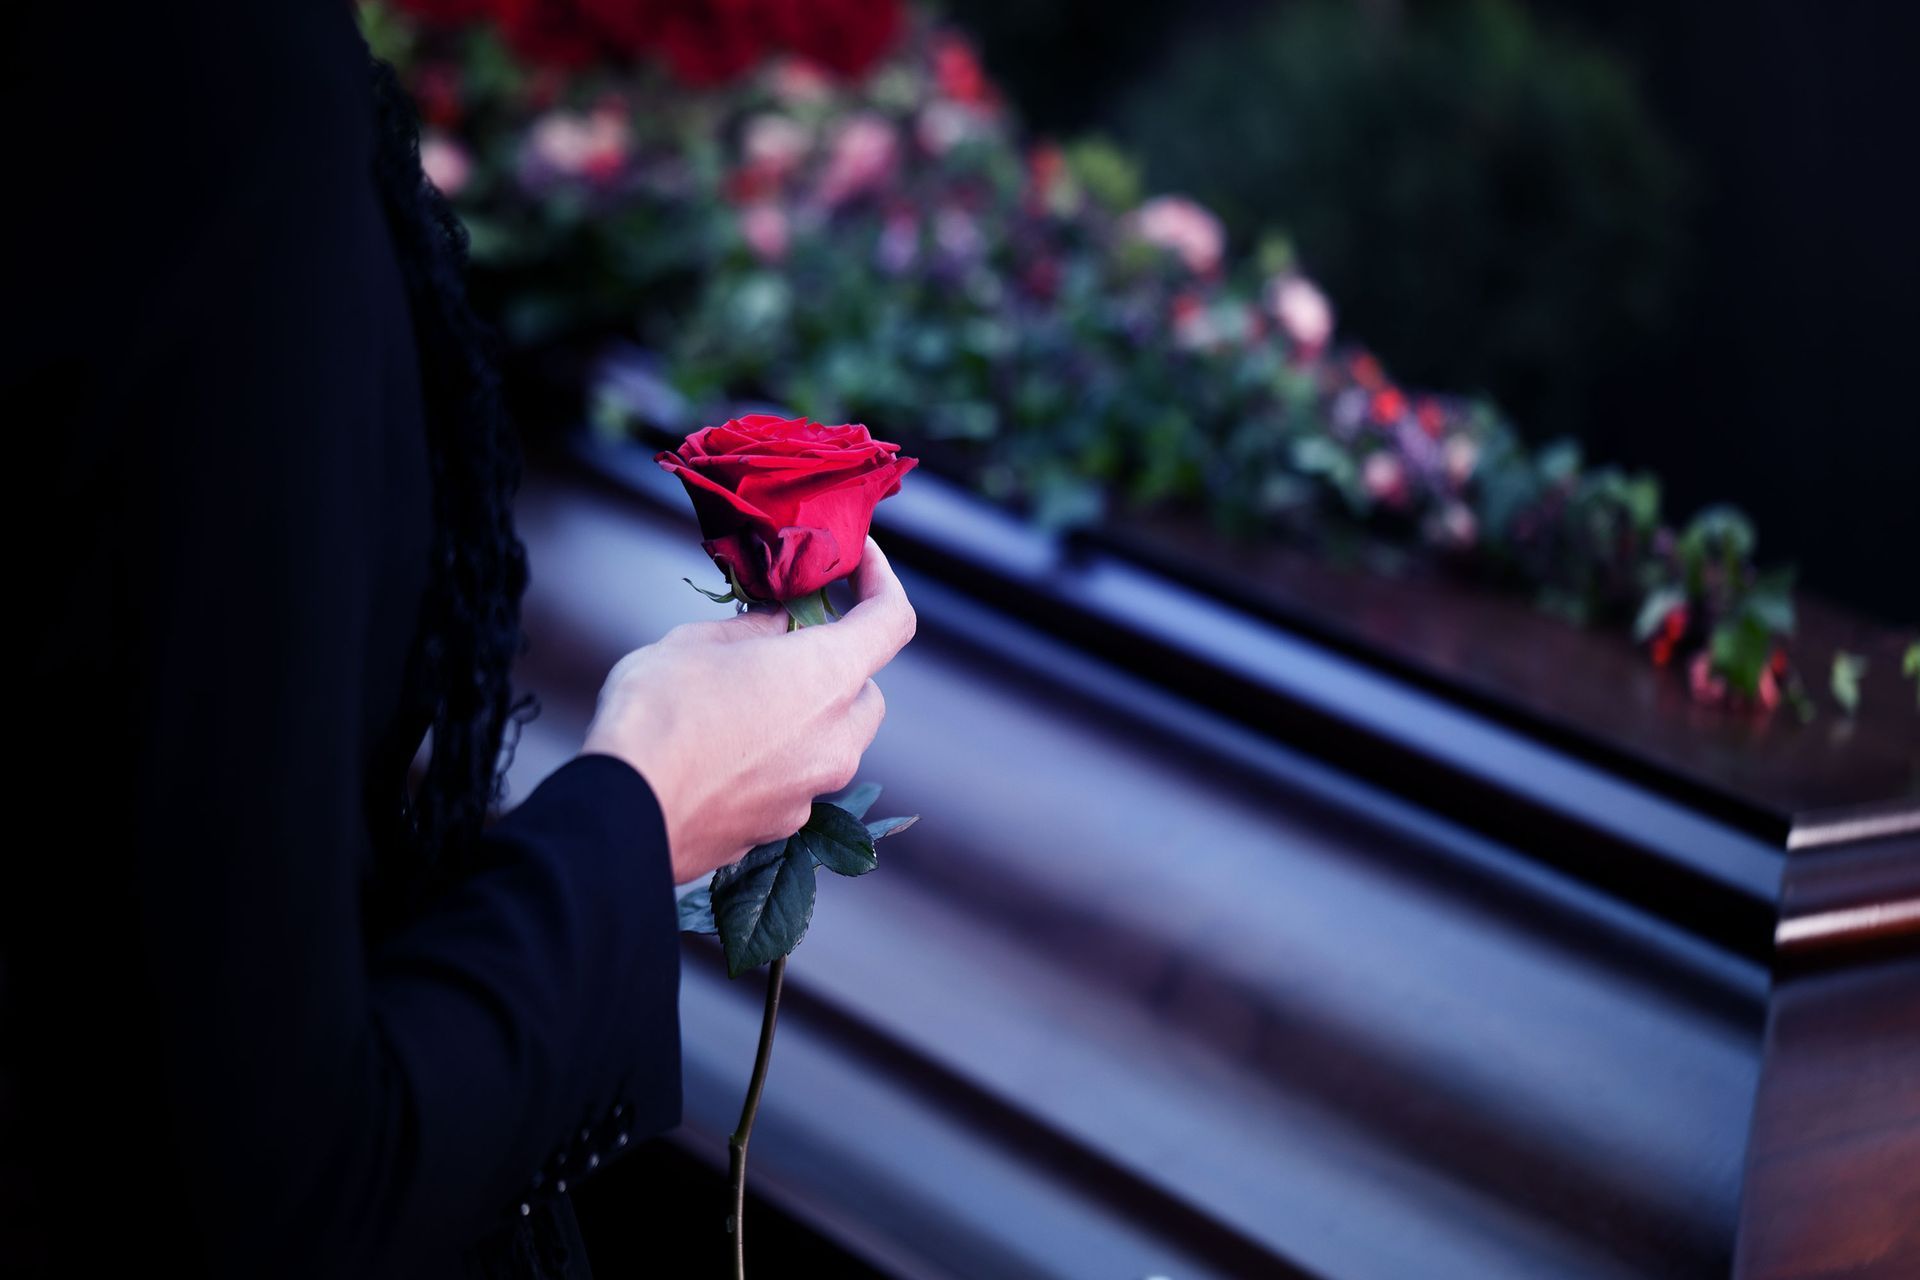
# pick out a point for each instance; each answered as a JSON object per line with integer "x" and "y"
{"x": 1771, "y": 601}
{"x": 1740, "y": 647}
{"x": 1654, "y": 611}
{"x": 837, "y": 841}
{"x": 696, "y": 911}
{"x": 763, "y": 904}
{"x": 885, "y": 827}
{"x": 718, "y": 597}
{"x": 858, "y": 799}
{"x": 809, "y": 610}
{"x": 1844, "y": 681}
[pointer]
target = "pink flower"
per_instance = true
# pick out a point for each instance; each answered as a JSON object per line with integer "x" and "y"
{"x": 446, "y": 163}
{"x": 775, "y": 144}
{"x": 942, "y": 126}
{"x": 1384, "y": 478}
{"x": 861, "y": 159}
{"x": 1461, "y": 455}
{"x": 763, "y": 225}
{"x": 1179, "y": 225}
{"x": 1706, "y": 686}
{"x": 1301, "y": 311}
{"x": 1458, "y": 528}
{"x": 570, "y": 145}
{"x": 797, "y": 82}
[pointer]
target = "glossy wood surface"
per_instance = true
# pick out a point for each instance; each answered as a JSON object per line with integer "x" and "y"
{"x": 1833, "y": 1176}
{"x": 1592, "y": 690}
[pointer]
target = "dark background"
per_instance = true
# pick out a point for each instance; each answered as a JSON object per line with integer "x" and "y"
{"x": 1779, "y": 375}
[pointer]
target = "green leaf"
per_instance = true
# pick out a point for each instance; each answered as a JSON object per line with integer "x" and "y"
{"x": 717, "y": 597}
{"x": 1770, "y": 600}
{"x": 809, "y": 610}
{"x": 885, "y": 827}
{"x": 1740, "y": 648}
{"x": 837, "y": 841}
{"x": 763, "y": 904}
{"x": 1654, "y": 611}
{"x": 696, "y": 911}
{"x": 1844, "y": 681}
{"x": 858, "y": 799}
{"x": 1910, "y": 660}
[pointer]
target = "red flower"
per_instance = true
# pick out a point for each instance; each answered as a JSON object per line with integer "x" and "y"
{"x": 785, "y": 503}
{"x": 1046, "y": 171}
{"x": 708, "y": 42}
{"x": 845, "y": 36}
{"x": 1388, "y": 405}
{"x": 436, "y": 87}
{"x": 1430, "y": 416}
{"x": 558, "y": 33}
{"x": 1367, "y": 372}
{"x": 957, "y": 72}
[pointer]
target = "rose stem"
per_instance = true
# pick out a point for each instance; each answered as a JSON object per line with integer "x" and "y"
{"x": 737, "y": 1143}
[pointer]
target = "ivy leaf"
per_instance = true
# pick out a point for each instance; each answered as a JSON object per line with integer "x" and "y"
{"x": 885, "y": 827}
{"x": 1654, "y": 611}
{"x": 837, "y": 841}
{"x": 763, "y": 904}
{"x": 696, "y": 911}
{"x": 1844, "y": 681}
{"x": 858, "y": 799}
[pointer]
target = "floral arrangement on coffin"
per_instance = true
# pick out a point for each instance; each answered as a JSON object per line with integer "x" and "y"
{"x": 842, "y": 218}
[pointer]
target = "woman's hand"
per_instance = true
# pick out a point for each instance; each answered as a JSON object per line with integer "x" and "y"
{"x": 738, "y": 725}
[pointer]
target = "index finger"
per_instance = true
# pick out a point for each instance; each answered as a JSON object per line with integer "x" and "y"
{"x": 881, "y": 620}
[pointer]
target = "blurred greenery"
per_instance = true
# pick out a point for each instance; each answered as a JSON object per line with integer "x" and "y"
{"x": 1490, "y": 201}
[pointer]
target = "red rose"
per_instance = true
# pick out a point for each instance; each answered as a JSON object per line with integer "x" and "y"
{"x": 553, "y": 33}
{"x": 845, "y": 36}
{"x": 785, "y": 503}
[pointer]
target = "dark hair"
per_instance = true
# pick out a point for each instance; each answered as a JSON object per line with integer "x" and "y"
{"x": 470, "y": 625}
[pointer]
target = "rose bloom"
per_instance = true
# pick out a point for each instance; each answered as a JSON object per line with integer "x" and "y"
{"x": 1189, "y": 231}
{"x": 1705, "y": 685}
{"x": 1460, "y": 456}
{"x": 763, "y": 225}
{"x": 1302, "y": 312}
{"x": 580, "y": 146}
{"x": 942, "y": 126}
{"x": 445, "y": 163}
{"x": 1384, "y": 478}
{"x": 956, "y": 71}
{"x": 861, "y": 158}
{"x": 846, "y": 37}
{"x": 1457, "y": 527}
{"x": 774, "y": 143}
{"x": 796, "y": 82}
{"x": 785, "y": 503}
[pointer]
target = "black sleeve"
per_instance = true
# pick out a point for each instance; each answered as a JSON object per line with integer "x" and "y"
{"x": 336, "y": 1108}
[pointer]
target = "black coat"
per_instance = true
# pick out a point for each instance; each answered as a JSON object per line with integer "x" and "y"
{"x": 209, "y": 1056}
